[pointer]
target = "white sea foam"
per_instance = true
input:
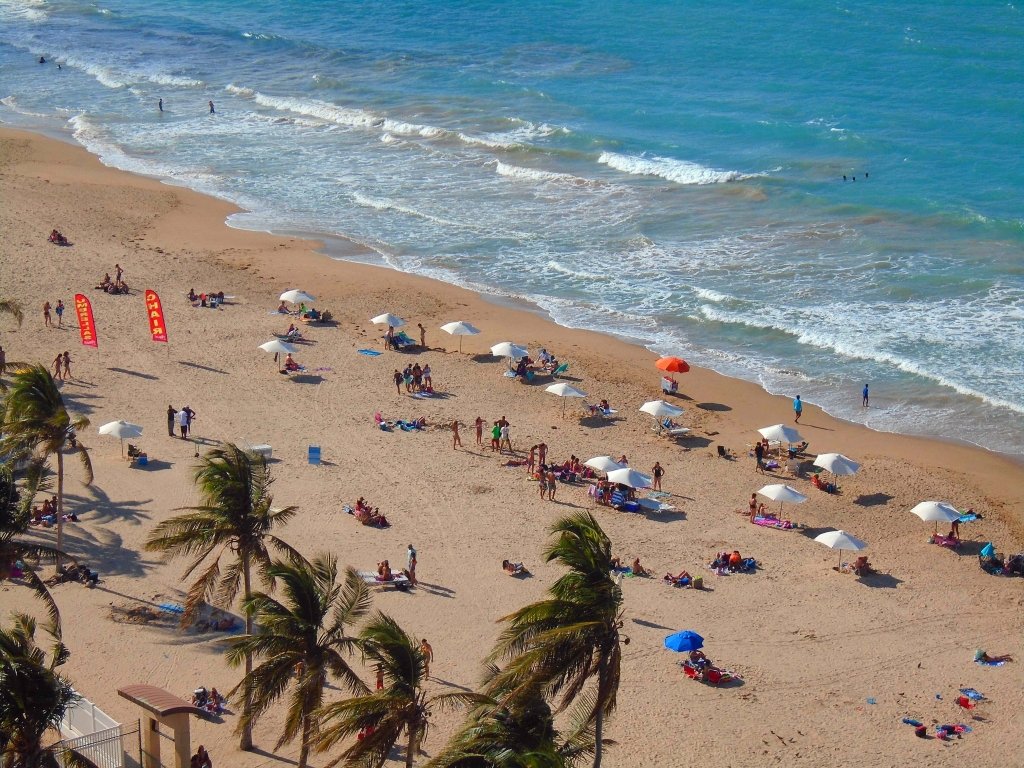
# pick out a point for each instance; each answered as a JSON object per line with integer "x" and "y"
{"x": 11, "y": 103}
{"x": 678, "y": 171}
{"x": 238, "y": 90}
{"x": 709, "y": 295}
{"x": 535, "y": 174}
{"x": 175, "y": 80}
{"x": 390, "y": 205}
{"x": 104, "y": 74}
{"x": 24, "y": 10}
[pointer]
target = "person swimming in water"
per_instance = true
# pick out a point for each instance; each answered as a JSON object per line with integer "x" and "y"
{"x": 42, "y": 60}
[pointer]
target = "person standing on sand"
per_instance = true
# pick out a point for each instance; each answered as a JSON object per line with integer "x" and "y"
{"x": 864, "y": 396}
{"x": 798, "y": 408}
{"x": 542, "y": 453}
{"x": 399, "y": 378}
{"x": 759, "y": 453}
{"x": 189, "y": 415}
{"x": 171, "y": 413}
{"x": 118, "y": 272}
{"x": 59, "y": 309}
{"x": 423, "y": 335}
{"x": 552, "y": 482}
{"x": 428, "y": 654}
{"x": 183, "y": 424}
{"x": 504, "y": 440}
{"x": 456, "y": 440}
{"x": 46, "y": 314}
{"x": 657, "y": 471}
{"x": 67, "y": 365}
{"x": 479, "y": 431}
{"x": 753, "y": 506}
{"x": 531, "y": 459}
{"x": 495, "y": 436}
{"x": 428, "y": 382}
{"x": 56, "y": 366}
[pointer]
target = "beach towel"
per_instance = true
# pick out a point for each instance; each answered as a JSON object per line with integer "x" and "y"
{"x": 370, "y": 352}
{"x": 990, "y": 663}
{"x": 171, "y": 608}
{"x": 988, "y": 550}
{"x": 774, "y": 522}
{"x": 969, "y": 518}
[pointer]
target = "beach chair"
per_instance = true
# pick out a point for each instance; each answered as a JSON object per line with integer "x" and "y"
{"x": 560, "y": 369}
{"x": 263, "y": 451}
{"x": 314, "y": 455}
{"x": 669, "y": 386}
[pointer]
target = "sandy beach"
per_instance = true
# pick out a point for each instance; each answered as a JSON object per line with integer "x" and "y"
{"x": 830, "y": 662}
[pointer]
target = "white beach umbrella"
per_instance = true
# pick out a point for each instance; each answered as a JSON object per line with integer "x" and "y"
{"x": 937, "y": 512}
{"x": 388, "y": 319}
{"x": 783, "y": 493}
{"x": 659, "y": 409}
{"x": 122, "y": 430}
{"x": 278, "y": 347}
{"x": 508, "y": 349}
{"x": 460, "y": 328}
{"x": 837, "y": 464}
{"x": 603, "y": 464}
{"x": 782, "y": 433}
{"x": 564, "y": 391}
{"x": 297, "y": 297}
{"x": 630, "y": 477}
{"x": 840, "y": 540}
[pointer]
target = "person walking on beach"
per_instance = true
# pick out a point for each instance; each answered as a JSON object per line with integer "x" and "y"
{"x": 657, "y": 471}
{"x": 56, "y": 366}
{"x": 456, "y": 440}
{"x": 759, "y": 453}
{"x": 399, "y": 378}
{"x": 67, "y": 365}
{"x": 46, "y": 314}
{"x": 428, "y": 654}
{"x": 59, "y": 309}
{"x": 798, "y": 408}
{"x": 479, "y": 431}
{"x": 495, "y": 436}
{"x": 864, "y": 396}
{"x": 171, "y": 413}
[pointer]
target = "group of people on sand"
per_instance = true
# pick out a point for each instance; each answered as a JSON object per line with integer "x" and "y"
{"x": 181, "y": 419}
{"x": 201, "y": 759}
{"x": 211, "y": 700}
{"x": 115, "y": 286}
{"x": 415, "y": 378}
{"x": 636, "y": 569}
{"x": 57, "y": 238}
{"x": 46, "y": 516}
{"x": 57, "y": 310}
{"x": 732, "y": 562}
{"x": 369, "y": 516}
{"x": 384, "y": 572}
{"x": 211, "y": 299}
{"x": 62, "y": 366}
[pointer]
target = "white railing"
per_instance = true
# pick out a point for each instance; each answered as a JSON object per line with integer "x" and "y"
{"x": 90, "y": 732}
{"x": 83, "y": 718}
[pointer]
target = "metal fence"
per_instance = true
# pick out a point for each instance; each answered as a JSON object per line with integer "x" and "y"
{"x": 117, "y": 747}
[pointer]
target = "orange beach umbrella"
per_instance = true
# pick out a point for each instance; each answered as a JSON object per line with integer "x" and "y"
{"x": 672, "y": 365}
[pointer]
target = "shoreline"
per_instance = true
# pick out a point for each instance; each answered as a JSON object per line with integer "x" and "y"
{"x": 342, "y": 248}
{"x": 306, "y": 246}
{"x": 825, "y": 641}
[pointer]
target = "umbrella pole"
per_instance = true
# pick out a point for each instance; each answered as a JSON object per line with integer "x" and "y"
{"x": 122, "y": 453}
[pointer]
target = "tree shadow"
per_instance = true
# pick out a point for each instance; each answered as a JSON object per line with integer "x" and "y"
{"x": 153, "y": 465}
{"x": 452, "y": 685}
{"x": 713, "y": 407}
{"x": 200, "y": 367}
{"x": 134, "y": 373}
{"x": 74, "y": 401}
{"x": 651, "y": 624}
{"x": 103, "y": 551}
{"x": 273, "y": 756}
{"x": 105, "y": 510}
{"x": 872, "y": 500}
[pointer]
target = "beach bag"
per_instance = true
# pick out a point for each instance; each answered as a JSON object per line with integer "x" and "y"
{"x": 698, "y": 582}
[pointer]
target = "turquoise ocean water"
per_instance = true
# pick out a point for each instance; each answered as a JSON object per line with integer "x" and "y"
{"x": 672, "y": 172}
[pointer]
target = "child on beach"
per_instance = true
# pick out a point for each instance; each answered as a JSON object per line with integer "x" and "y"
{"x": 59, "y": 309}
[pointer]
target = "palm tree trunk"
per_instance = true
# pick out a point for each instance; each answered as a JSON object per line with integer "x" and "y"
{"x": 246, "y": 743}
{"x": 412, "y": 744}
{"x": 60, "y": 508}
{"x": 599, "y": 719}
{"x": 304, "y": 751}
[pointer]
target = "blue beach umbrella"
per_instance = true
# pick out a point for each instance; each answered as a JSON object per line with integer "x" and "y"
{"x": 684, "y": 641}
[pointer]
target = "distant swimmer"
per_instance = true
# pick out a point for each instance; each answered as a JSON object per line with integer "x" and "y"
{"x": 160, "y": 104}
{"x": 211, "y": 108}
{"x": 865, "y": 174}
{"x": 844, "y": 177}
{"x": 58, "y": 66}
{"x": 42, "y": 60}
{"x": 854, "y": 178}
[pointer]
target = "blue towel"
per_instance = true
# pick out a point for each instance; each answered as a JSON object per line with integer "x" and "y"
{"x": 972, "y": 694}
{"x": 370, "y": 352}
{"x": 171, "y": 608}
{"x": 990, "y": 663}
{"x": 968, "y": 518}
{"x": 988, "y": 550}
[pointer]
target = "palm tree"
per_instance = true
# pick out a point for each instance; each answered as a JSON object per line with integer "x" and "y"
{"x": 296, "y": 648}
{"x": 235, "y": 516}
{"x": 34, "y": 422}
{"x": 400, "y": 708}
{"x": 33, "y": 695}
{"x": 15, "y": 512}
{"x": 565, "y": 642}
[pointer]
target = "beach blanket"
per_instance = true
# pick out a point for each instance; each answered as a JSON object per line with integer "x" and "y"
{"x": 370, "y": 352}
{"x": 969, "y": 518}
{"x": 990, "y": 663}
{"x": 774, "y": 522}
{"x": 322, "y": 369}
{"x": 658, "y": 495}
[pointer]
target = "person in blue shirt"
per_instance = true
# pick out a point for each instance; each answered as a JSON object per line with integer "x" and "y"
{"x": 864, "y": 395}
{"x": 798, "y": 408}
